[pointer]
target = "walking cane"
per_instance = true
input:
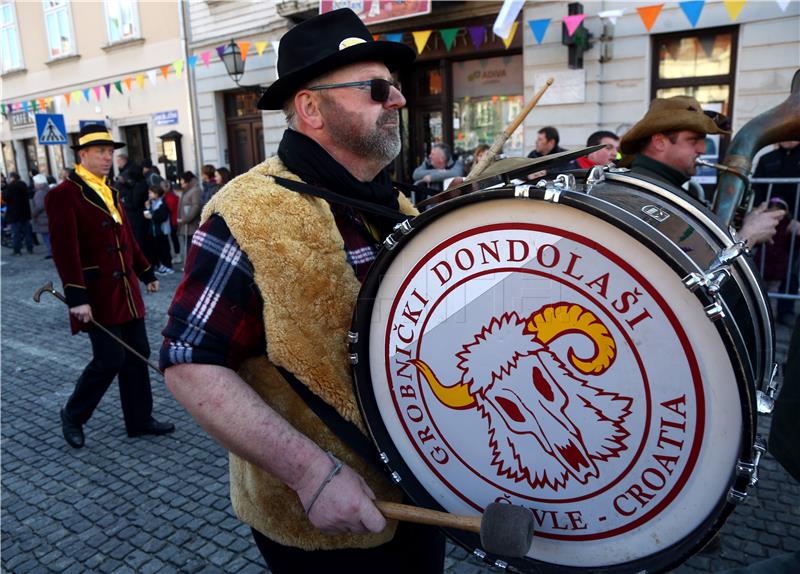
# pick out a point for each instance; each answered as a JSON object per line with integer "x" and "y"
{"x": 48, "y": 288}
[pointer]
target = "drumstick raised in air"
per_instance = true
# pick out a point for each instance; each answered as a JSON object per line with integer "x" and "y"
{"x": 505, "y": 529}
{"x": 502, "y": 138}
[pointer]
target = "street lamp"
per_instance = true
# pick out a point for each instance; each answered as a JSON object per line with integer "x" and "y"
{"x": 234, "y": 65}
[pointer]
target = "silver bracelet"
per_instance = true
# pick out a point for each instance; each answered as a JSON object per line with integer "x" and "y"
{"x": 337, "y": 467}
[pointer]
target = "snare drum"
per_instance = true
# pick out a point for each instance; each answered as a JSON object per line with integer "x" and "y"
{"x": 587, "y": 349}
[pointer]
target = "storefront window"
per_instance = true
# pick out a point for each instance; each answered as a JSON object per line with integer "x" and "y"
{"x": 487, "y": 96}
{"x": 430, "y": 83}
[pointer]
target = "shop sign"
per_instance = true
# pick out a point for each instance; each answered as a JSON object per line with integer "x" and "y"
{"x": 488, "y": 77}
{"x": 374, "y": 11}
{"x": 165, "y": 118}
{"x": 21, "y": 119}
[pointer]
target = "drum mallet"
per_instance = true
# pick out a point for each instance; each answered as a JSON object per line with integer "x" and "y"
{"x": 505, "y": 529}
{"x": 502, "y": 137}
{"x": 48, "y": 288}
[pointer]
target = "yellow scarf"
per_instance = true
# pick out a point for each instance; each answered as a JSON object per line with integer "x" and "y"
{"x": 99, "y": 185}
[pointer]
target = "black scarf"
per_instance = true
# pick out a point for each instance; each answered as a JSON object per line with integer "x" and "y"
{"x": 308, "y": 160}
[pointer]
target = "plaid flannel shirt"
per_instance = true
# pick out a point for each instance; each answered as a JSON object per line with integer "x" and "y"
{"x": 216, "y": 315}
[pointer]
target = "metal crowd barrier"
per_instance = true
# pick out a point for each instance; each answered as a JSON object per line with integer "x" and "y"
{"x": 788, "y": 286}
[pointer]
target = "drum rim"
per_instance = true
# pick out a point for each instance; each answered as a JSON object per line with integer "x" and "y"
{"x": 398, "y": 468}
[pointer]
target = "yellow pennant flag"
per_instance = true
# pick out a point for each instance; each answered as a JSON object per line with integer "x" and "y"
{"x": 421, "y": 39}
{"x": 260, "y": 47}
{"x": 140, "y": 81}
{"x": 178, "y": 65}
{"x": 734, "y": 7}
{"x": 76, "y": 95}
{"x": 507, "y": 41}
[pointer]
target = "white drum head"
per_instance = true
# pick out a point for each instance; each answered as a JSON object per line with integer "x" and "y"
{"x": 532, "y": 353}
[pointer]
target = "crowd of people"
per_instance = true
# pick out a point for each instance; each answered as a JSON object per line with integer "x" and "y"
{"x": 255, "y": 346}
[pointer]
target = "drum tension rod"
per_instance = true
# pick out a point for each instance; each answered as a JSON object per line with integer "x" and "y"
{"x": 403, "y": 228}
{"x": 749, "y": 471}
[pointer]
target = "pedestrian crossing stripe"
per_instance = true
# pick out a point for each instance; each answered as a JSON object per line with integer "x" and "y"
{"x": 51, "y": 133}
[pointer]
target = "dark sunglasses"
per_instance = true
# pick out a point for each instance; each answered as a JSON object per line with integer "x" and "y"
{"x": 721, "y": 121}
{"x": 379, "y": 89}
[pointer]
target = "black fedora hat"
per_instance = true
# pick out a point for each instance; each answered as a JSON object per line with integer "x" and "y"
{"x": 325, "y": 43}
{"x": 95, "y": 134}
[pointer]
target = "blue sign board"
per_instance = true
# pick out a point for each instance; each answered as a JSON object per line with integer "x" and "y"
{"x": 165, "y": 118}
{"x": 83, "y": 123}
{"x": 50, "y": 129}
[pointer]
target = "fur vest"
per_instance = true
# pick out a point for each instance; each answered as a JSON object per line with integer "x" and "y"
{"x": 309, "y": 292}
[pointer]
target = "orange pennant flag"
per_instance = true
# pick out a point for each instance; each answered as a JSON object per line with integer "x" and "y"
{"x": 648, "y": 14}
{"x": 128, "y": 83}
{"x": 376, "y": 37}
{"x": 67, "y": 97}
{"x": 507, "y": 41}
{"x": 260, "y": 47}
{"x": 244, "y": 48}
{"x": 421, "y": 39}
{"x": 165, "y": 71}
{"x": 140, "y": 81}
{"x": 734, "y": 8}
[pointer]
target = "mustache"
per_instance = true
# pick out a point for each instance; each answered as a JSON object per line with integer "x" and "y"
{"x": 388, "y": 117}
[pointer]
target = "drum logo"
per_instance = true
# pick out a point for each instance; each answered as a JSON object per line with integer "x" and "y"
{"x": 527, "y": 394}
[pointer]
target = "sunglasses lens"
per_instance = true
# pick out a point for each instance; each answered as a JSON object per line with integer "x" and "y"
{"x": 380, "y": 90}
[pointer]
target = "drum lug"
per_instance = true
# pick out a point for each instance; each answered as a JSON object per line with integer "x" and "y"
{"x": 765, "y": 400}
{"x": 710, "y": 280}
{"x": 500, "y": 564}
{"x": 404, "y": 227}
{"x": 522, "y": 191}
{"x": 353, "y": 358}
{"x": 565, "y": 180}
{"x": 384, "y": 457}
{"x": 748, "y": 471}
{"x": 479, "y": 553}
{"x": 596, "y": 175}
{"x": 396, "y": 477}
{"x": 715, "y": 311}
{"x": 728, "y": 255}
{"x": 390, "y": 242}
{"x": 352, "y": 337}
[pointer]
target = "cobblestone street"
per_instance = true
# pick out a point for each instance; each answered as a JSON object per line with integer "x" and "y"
{"x": 160, "y": 504}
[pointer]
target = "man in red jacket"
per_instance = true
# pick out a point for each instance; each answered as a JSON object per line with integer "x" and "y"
{"x": 99, "y": 263}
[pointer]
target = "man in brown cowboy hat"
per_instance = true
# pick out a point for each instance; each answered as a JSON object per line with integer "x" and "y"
{"x": 257, "y": 331}
{"x": 665, "y": 144}
{"x": 100, "y": 263}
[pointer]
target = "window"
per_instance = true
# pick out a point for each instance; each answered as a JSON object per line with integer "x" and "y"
{"x": 10, "y": 51}
{"x": 122, "y": 20}
{"x": 59, "y": 28}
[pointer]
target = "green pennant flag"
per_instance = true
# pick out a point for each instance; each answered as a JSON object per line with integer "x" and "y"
{"x": 448, "y": 35}
{"x": 118, "y": 85}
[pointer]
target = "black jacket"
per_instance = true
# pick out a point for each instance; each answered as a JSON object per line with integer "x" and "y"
{"x": 18, "y": 206}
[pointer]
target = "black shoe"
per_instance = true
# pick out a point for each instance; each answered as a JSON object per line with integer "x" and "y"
{"x": 73, "y": 432}
{"x": 152, "y": 427}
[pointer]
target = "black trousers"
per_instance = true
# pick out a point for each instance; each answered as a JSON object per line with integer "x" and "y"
{"x": 111, "y": 359}
{"x": 415, "y": 549}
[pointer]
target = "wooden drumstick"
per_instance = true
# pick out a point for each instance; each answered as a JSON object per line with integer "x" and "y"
{"x": 502, "y": 138}
{"x": 505, "y": 529}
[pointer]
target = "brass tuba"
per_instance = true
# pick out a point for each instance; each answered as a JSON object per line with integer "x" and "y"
{"x": 779, "y": 124}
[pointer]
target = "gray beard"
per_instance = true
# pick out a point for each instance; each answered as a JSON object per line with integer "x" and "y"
{"x": 380, "y": 143}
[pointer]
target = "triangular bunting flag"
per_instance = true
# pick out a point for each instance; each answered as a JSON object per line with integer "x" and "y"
{"x": 128, "y": 83}
{"x": 30, "y": 105}
{"x": 42, "y": 104}
{"x": 539, "y": 28}
{"x": 244, "y": 48}
{"x": 165, "y": 71}
{"x": 118, "y": 85}
{"x": 140, "y": 80}
{"x": 67, "y": 98}
{"x": 376, "y": 37}
{"x": 107, "y": 88}
{"x": 3, "y": 107}
{"x": 192, "y": 61}
{"x": 734, "y": 7}
{"x": 178, "y": 65}
{"x": 396, "y": 37}
{"x": 783, "y": 4}
{"x": 510, "y": 38}
{"x": 648, "y": 14}
{"x": 706, "y": 43}
{"x": 478, "y": 35}
{"x": 220, "y": 51}
{"x": 86, "y": 94}
{"x": 572, "y": 23}
{"x": 151, "y": 75}
{"x": 260, "y": 47}
{"x": 26, "y": 106}
{"x": 421, "y": 39}
{"x": 206, "y": 57}
{"x": 96, "y": 91}
{"x": 448, "y": 36}
{"x": 692, "y": 9}
{"x": 76, "y": 95}
{"x": 48, "y": 100}
{"x": 612, "y": 15}
{"x": 507, "y": 17}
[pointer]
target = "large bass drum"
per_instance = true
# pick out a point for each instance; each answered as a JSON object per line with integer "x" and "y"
{"x": 588, "y": 349}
